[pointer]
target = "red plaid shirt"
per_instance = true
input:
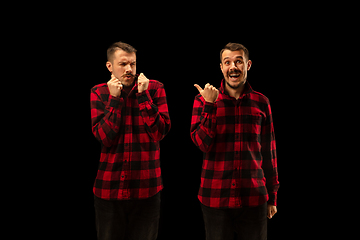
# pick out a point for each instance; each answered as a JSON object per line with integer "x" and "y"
{"x": 237, "y": 138}
{"x": 129, "y": 131}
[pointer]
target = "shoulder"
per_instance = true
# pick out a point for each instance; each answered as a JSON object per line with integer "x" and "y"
{"x": 154, "y": 84}
{"x": 199, "y": 98}
{"x": 257, "y": 96}
{"x": 156, "y": 88}
{"x": 199, "y": 101}
{"x": 101, "y": 88}
{"x": 100, "y": 92}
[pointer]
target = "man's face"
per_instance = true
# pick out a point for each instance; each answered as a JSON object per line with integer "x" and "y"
{"x": 123, "y": 67}
{"x": 234, "y": 67}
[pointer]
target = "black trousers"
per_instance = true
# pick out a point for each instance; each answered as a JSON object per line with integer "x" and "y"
{"x": 127, "y": 219}
{"x": 249, "y": 223}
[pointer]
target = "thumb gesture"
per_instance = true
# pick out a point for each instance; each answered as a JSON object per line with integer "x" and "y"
{"x": 209, "y": 93}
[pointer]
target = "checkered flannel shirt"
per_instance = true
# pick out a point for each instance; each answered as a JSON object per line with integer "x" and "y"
{"x": 129, "y": 132}
{"x": 237, "y": 139}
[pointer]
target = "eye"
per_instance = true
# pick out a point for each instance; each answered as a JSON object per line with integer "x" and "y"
{"x": 227, "y": 63}
{"x": 238, "y": 61}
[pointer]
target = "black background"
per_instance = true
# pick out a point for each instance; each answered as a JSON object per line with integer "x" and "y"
{"x": 179, "y": 51}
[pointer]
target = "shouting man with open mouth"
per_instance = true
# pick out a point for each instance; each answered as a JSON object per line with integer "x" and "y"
{"x": 233, "y": 127}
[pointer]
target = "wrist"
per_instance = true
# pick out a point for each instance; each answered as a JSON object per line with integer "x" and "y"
{"x": 143, "y": 96}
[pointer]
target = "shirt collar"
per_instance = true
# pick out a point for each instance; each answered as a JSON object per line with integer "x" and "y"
{"x": 133, "y": 91}
{"x": 248, "y": 89}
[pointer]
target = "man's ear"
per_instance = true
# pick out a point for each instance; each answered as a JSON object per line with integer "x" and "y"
{"x": 249, "y": 65}
{"x": 109, "y": 66}
{"x": 221, "y": 66}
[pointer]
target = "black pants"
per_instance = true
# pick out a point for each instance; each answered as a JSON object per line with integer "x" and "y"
{"x": 249, "y": 223}
{"x": 127, "y": 219}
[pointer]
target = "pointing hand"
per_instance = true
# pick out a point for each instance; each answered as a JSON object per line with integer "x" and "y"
{"x": 209, "y": 93}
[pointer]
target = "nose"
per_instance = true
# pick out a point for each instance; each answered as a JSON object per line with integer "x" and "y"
{"x": 233, "y": 65}
{"x": 128, "y": 69}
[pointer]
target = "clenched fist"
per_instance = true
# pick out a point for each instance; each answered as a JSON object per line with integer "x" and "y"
{"x": 209, "y": 93}
{"x": 143, "y": 83}
{"x": 271, "y": 211}
{"x": 115, "y": 86}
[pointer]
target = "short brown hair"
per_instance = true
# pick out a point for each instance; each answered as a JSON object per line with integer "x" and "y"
{"x": 235, "y": 47}
{"x": 117, "y": 46}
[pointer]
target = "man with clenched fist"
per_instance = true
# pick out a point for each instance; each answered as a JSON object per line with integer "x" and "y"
{"x": 129, "y": 117}
{"x": 233, "y": 126}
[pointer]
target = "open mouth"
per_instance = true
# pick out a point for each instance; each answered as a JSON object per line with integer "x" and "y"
{"x": 127, "y": 77}
{"x": 234, "y": 76}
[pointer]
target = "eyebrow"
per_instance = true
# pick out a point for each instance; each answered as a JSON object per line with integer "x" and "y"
{"x": 126, "y": 62}
{"x": 235, "y": 57}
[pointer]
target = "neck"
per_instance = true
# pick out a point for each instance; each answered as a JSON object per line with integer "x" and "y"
{"x": 127, "y": 89}
{"x": 235, "y": 93}
{"x": 129, "y": 86}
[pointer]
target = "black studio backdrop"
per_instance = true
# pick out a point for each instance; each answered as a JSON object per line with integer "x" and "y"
{"x": 179, "y": 58}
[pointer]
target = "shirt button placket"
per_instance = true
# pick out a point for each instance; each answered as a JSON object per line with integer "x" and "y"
{"x": 126, "y": 156}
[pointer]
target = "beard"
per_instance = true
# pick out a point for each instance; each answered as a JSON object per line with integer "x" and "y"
{"x": 240, "y": 84}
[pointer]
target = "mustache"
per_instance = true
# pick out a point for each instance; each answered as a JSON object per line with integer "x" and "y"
{"x": 235, "y": 72}
{"x": 128, "y": 74}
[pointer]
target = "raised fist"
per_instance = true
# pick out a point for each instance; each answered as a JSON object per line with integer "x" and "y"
{"x": 114, "y": 86}
{"x": 143, "y": 83}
